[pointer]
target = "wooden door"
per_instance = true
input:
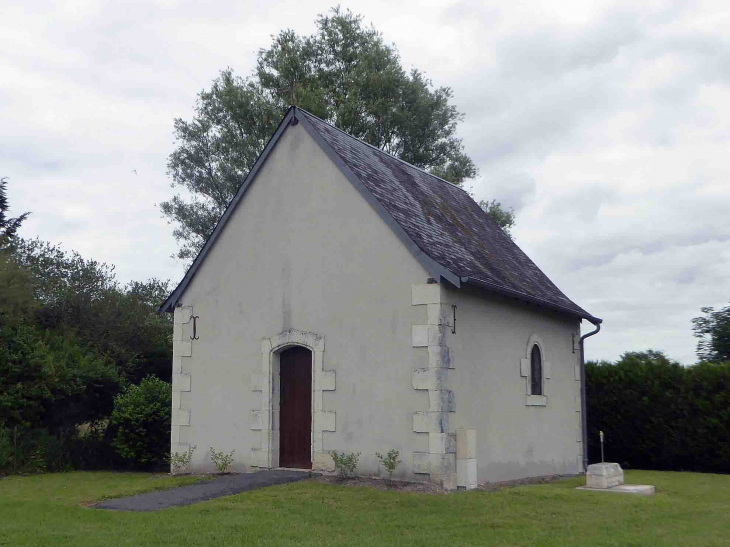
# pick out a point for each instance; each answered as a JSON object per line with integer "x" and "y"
{"x": 295, "y": 403}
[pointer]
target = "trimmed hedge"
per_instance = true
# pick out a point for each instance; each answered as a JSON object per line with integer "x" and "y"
{"x": 657, "y": 414}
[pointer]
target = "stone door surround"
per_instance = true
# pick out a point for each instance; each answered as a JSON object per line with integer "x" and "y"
{"x": 266, "y": 418}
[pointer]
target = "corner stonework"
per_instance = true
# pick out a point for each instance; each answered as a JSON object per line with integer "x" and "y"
{"x": 182, "y": 351}
{"x": 440, "y": 460}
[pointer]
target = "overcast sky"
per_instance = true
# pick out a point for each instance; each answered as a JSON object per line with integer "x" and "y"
{"x": 604, "y": 124}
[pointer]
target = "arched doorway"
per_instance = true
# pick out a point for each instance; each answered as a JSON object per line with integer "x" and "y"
{"x": 295, "y": 405}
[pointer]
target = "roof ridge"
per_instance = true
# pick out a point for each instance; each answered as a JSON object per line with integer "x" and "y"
{"x": 383, "y": 151}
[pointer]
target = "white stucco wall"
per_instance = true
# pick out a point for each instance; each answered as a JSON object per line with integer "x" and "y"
{"x": 514, "y": 440}
{"x": 303, "y": 250}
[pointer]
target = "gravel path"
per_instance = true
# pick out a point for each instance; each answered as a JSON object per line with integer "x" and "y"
{"x": 186, "y": 495}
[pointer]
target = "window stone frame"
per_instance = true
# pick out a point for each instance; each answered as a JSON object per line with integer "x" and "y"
{"x": 526, "y": 372}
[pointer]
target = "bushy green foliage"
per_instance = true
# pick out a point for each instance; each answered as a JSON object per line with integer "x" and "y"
{"x": 390, "y": 461}
{"x": 142, "y": 417}
{"x": 80, "y": 296}
{"x": 83, "y": 383}
{"x": 504, "y": 218}
{"x": 657, "y": 414}
{"x": 713, "y": 331}
{"x": 25, "y": 376}
{"x": 344, "y": 73}
{"x": 53, "y": 380}
{"x": 346, "y": 464}
{"x": 221, "y": 460}
{"x": 16, "y": 294}
{"x": 71, "y": 337}
{"x": 50, "y": 385}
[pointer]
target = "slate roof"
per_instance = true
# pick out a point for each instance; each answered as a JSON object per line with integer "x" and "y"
{"x": 440, "y": 223}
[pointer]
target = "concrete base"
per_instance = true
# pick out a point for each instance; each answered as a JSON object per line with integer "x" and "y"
{"x": 604, "y": 475}
{"x": 636, "y": 489}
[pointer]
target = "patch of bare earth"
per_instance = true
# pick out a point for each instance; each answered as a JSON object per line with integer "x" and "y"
{"x": 491, "y": 486}
{"x": 428, "y": 488}
{"x": 382, "y": 484}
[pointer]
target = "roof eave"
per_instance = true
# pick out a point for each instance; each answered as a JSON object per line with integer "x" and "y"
{"x": 530, "y": 299}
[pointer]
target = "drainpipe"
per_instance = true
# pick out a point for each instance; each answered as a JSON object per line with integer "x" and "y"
{"x": 584, "y": 417}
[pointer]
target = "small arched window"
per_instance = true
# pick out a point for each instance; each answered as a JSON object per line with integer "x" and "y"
{"x": 536, "y": 371}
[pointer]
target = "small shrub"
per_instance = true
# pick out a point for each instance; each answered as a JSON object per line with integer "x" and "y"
{"x": 346, "y": 464}
{"x": 142, "y": 416}
{"x": 390, "y": 461}
{"x": 221, "y": 460}
{"x": 178, "y": 461}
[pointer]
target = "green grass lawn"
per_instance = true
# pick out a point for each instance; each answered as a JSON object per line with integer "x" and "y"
{"x": 688, "y": 509}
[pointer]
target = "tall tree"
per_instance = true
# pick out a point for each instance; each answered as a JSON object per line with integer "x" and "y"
{"x": 16, "y": 296}
{"x": 232, "y": 124}
{"x": 344, "y": 73}
{"x": 713, "y": 330}
{"x": 504, "y": 218}
{"x": 8, "y": 226}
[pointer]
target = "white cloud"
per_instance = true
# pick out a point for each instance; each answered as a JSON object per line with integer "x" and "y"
{"x": 604, "y": 124}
